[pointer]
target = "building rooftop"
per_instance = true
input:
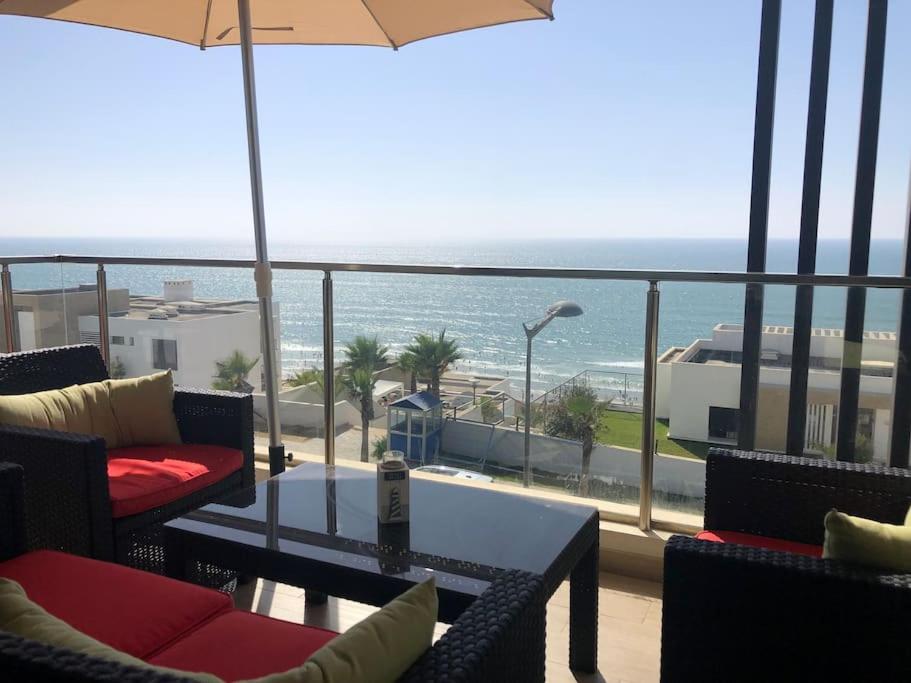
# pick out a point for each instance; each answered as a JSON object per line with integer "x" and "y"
{"x": 816, "y": 332}
{"x": 157, "y": 308}
{"x": 773, "y": 359}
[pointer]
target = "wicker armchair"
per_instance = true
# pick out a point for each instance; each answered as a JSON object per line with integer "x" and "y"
{"x": 733, "y": 612}
{"x": 68, "y": 505}
{"x": 499, "y": 637}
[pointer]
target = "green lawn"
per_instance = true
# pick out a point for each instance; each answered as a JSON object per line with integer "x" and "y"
{"x": 620, "y": 428}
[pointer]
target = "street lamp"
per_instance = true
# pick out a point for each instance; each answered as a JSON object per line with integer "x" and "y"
{"x": 474, "y": 381}
{"x": 560, "y": 309}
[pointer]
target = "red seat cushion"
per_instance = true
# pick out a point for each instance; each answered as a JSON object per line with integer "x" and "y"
{"x": 146, "y": 477}
{"x": 242, "y": 645}
{"x": 766, "y": 542}
{"x": 130, "y": 610}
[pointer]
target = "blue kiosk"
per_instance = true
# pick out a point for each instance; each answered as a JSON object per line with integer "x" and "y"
{"x": 415, "y": 425}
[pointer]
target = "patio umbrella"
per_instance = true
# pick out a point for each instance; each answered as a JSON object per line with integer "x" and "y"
{"x": 210, "y": 23}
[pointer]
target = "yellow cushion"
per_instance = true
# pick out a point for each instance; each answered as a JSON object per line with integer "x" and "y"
{"x": 81, "y": 408}
{"x": 22, "y": 617}
{"x": 378, "y": 649}
{"x": 863, "y": 541}
{"x": 144, "y": 408}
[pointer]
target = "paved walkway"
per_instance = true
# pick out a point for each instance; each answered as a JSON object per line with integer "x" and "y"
{"x": 347, "y": 443}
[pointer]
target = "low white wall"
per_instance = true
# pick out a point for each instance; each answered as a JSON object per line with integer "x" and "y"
{"x": 307, "y": 393}
{"x": 505, "y": 447}
{"x": 694, "y": 388}
{"x": 308, "y": 415}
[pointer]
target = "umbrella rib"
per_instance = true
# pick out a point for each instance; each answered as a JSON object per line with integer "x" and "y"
{"x": 533, "y": 5}
{"x": 379, "y": 25}
{"x": 205, "y": 28}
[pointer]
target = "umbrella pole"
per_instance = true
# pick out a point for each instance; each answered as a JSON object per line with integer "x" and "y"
{"x": 262, "y": 269}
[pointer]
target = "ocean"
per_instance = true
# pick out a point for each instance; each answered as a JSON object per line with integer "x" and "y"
{"x": 485, "y": 314}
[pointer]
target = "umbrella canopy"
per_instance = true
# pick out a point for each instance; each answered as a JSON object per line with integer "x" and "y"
{"x": 207, "y": 23}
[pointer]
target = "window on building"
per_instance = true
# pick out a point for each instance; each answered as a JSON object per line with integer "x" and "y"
{"x": 164, "y": 354}
{"x": 118, "y": 341}
{"x": 723, "y": 423}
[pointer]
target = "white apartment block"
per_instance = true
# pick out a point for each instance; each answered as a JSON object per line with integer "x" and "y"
{"x": 698, "y": 389}
{"x": 180, "y": 332}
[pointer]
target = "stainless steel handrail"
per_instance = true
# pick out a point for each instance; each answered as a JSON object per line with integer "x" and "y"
{"x": 651, "y": 277}
{"x": 9, "y": 309}
{"x": 635, "y": 275}
{"x": 328, "y": 371}
{"x": 104, "y": 338}
{"x": 649, "y": 395}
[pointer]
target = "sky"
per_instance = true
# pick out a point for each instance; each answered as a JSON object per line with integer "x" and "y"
{"x": 616, "y": 120}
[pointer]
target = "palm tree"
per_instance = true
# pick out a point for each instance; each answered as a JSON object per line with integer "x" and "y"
{"x": 359, "y": 385}
{"x": 433, "y": 356}
{"x": 577, "y": 416}
{"x": 365, "y": 353}
{"x": 363, "y": 357}
{"x": 231, "y": 373}
{"x": 302, "y": 378}
{"x": 407, "y": 362}
{"x": 308, "y": 376}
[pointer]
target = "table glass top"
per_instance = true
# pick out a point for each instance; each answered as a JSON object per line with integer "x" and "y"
{"x": 460, "y": 534}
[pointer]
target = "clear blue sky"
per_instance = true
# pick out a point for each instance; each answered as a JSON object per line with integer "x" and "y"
{"x": 619, "y": 119}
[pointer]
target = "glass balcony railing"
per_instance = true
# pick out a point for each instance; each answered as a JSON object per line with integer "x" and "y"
{"x": 626, "y": 399}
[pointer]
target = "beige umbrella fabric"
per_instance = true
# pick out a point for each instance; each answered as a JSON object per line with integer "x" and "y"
{"x": 208, "y": 23}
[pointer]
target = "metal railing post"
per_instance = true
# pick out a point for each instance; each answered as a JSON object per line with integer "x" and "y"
{"x": 9, "y": 315}
{"x": 328, "y": 371}
{"x": 104, "y": 340}
{"x": 647, "y": 464}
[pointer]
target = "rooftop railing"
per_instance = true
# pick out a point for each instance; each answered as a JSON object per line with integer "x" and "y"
{"x": 652, "y": 279}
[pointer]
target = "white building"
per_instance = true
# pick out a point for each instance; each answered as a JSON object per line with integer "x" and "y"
{"x": 699, "y": 388}
{"x": 185, "y": 334}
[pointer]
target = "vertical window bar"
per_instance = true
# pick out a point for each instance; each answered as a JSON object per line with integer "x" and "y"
{"x": 900, "y": 442}
{"x": 861, "y": 223}
{"x": 759, "y": 218}
{"x": 809, "y": 224}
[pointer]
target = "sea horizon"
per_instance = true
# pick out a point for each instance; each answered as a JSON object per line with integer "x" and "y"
{"x": 485, "y": 314}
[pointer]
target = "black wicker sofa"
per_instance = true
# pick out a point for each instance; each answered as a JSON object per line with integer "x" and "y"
{"x": 68, "y": 504}
{"x": 499, "y": 637}
{"x": 738, "y": 612}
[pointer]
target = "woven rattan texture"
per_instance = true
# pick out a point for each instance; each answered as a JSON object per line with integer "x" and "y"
{"x": 787, "y": 497}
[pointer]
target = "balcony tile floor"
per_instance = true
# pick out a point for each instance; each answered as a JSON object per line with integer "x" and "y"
{"x": 629, "y": 634}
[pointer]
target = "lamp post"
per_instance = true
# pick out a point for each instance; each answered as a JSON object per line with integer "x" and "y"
{"x": 560, "y": 309}
{"x": 474, "y": 381}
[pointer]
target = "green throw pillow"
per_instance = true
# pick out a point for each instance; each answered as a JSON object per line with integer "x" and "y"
{"x": 81, "y": 409}
{"x": 863, "y": 541}
{"x": 378, "y": 649}
{"x": 144, "y": 408}
{"x": 22, "y": 617}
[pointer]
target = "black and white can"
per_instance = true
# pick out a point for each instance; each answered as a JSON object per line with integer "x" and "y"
{"x": 392, "y": 496}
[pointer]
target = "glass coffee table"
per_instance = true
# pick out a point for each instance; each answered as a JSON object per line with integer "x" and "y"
{"x": 315, "y": 526}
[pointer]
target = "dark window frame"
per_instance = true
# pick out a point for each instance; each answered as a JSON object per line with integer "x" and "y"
{"x": 161, "y": 358}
